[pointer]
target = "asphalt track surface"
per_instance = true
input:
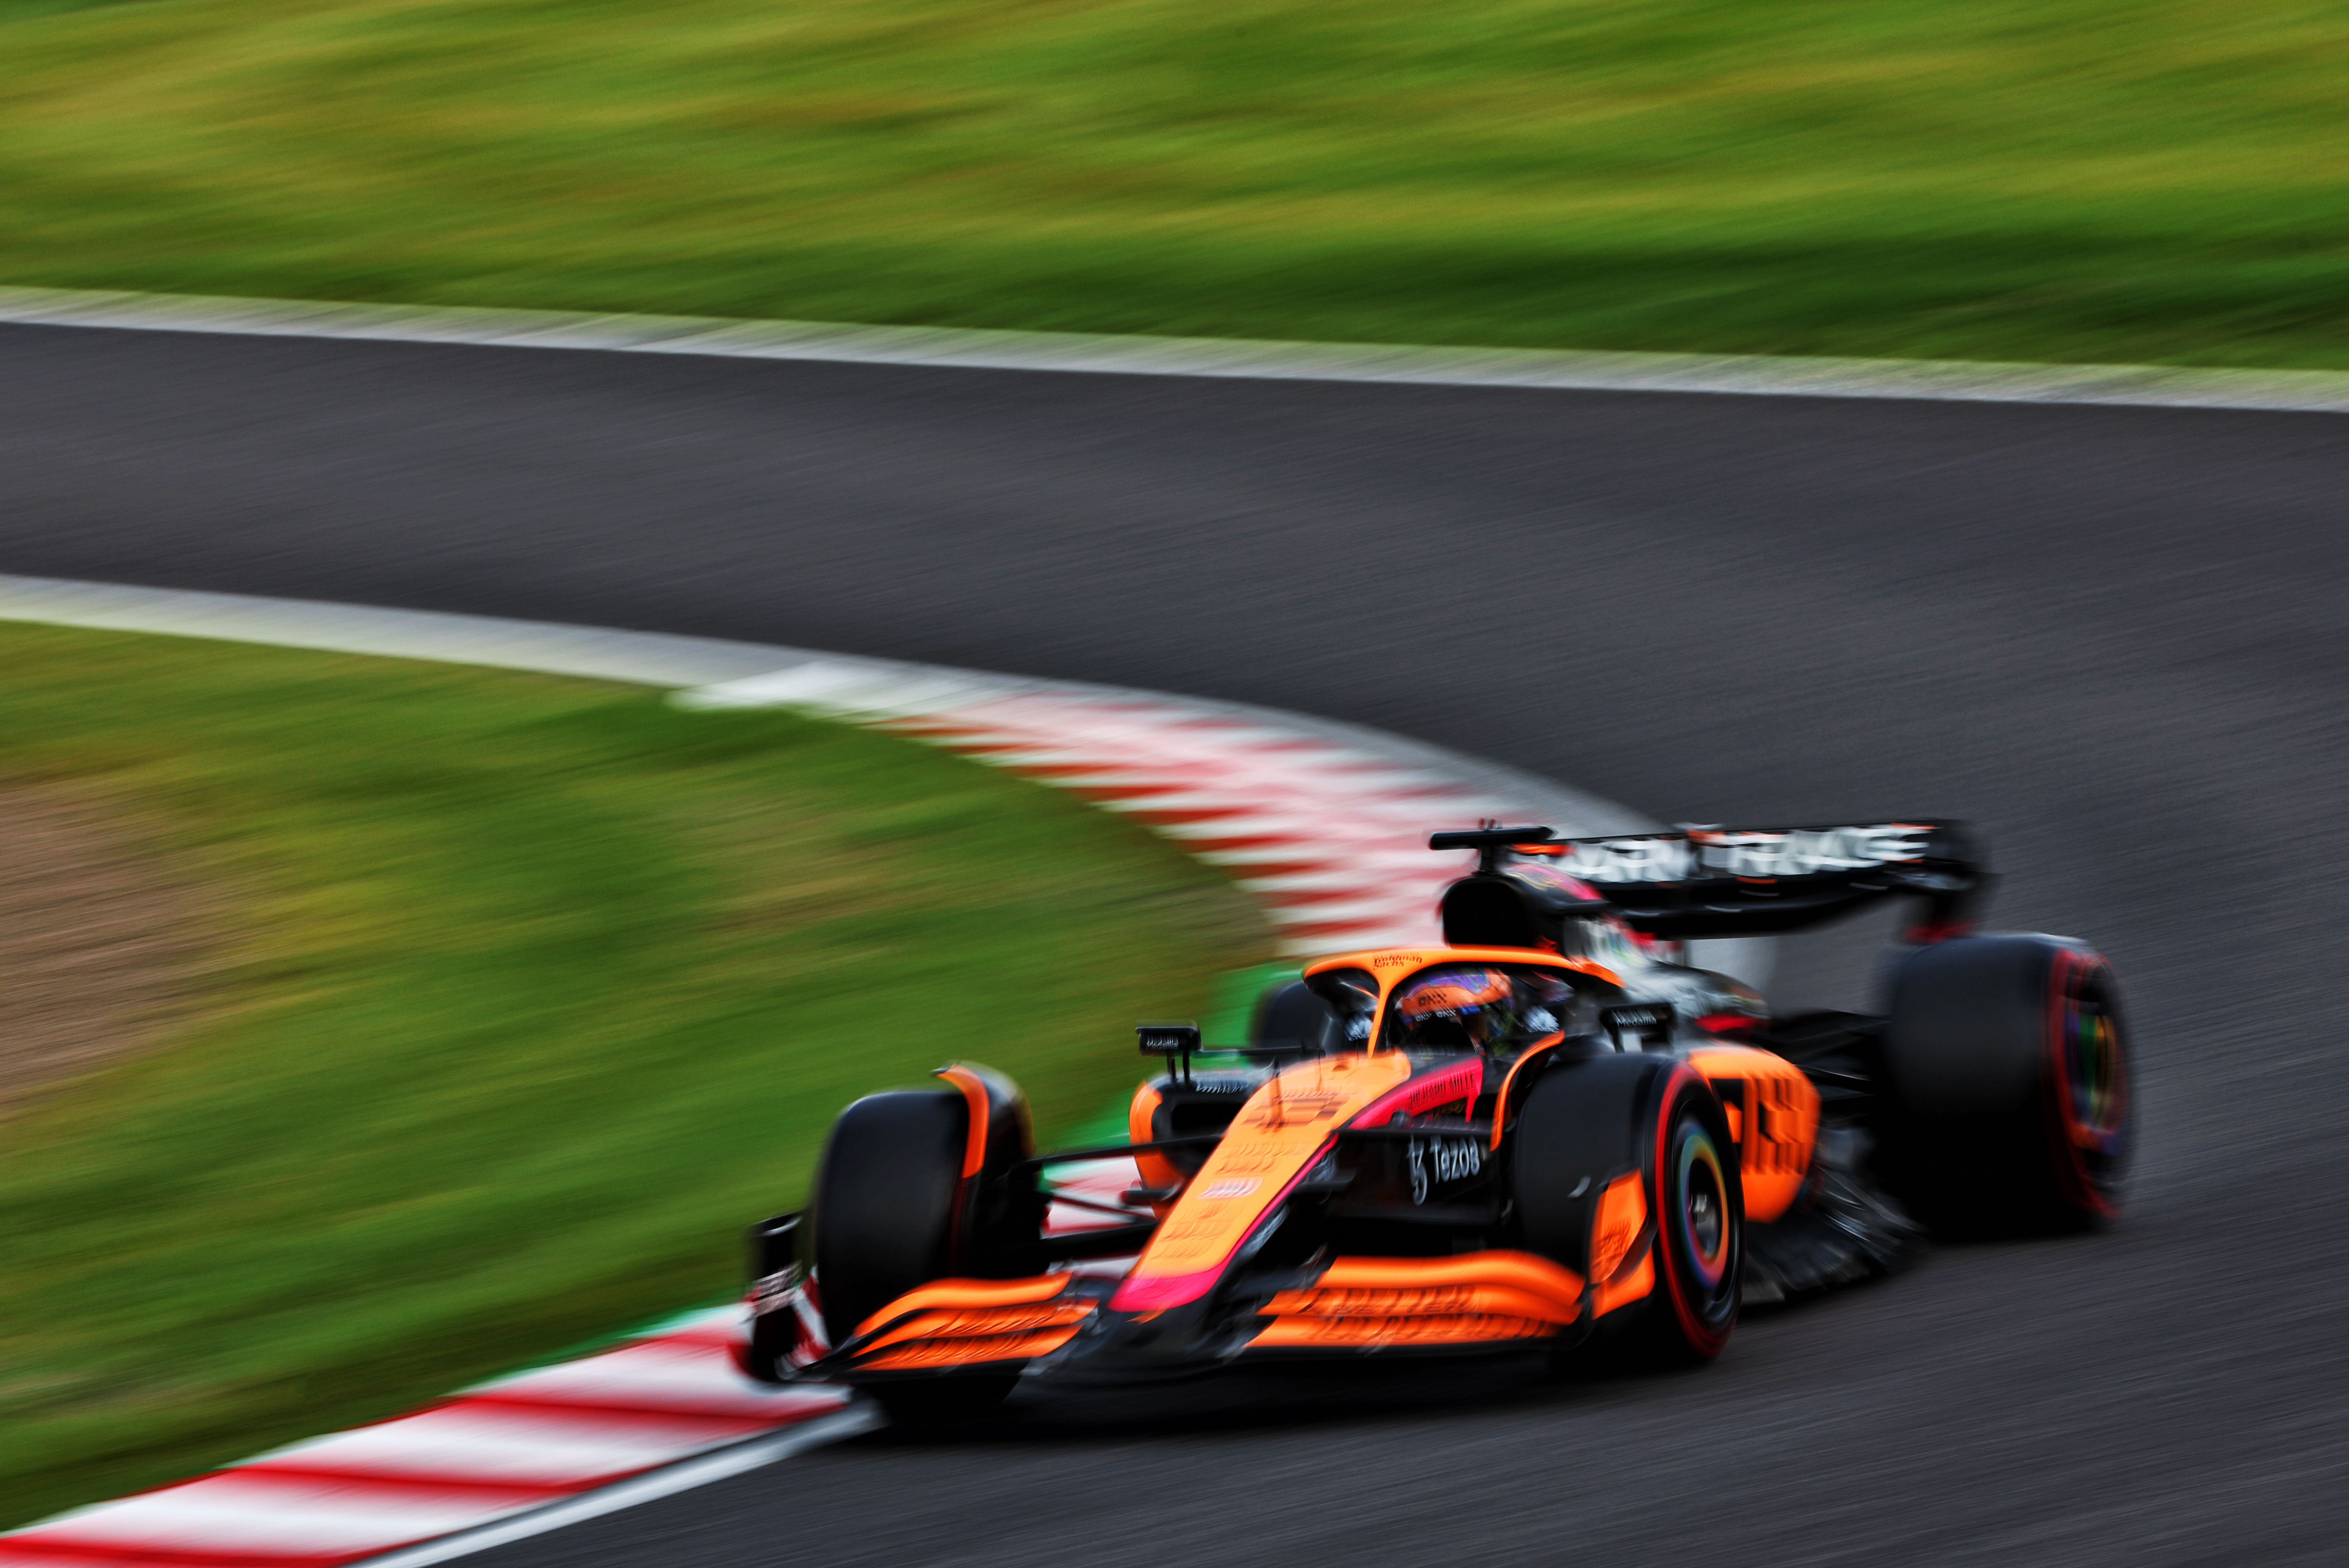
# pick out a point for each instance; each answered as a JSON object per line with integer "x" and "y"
{"x": 2114, "y": 636}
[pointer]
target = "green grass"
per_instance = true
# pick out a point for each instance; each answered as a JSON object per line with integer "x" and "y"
{"x": 527, "y": 995}
{"x": 2084, "y": 179}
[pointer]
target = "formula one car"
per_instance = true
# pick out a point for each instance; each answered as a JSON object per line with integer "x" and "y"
{"x": 1548, "y": 1133}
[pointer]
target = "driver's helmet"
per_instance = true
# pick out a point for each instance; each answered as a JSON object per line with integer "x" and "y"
{"x": 1462, "y": 1007}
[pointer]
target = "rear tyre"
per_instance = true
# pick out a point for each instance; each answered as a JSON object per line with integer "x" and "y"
{"x": 2008, "y": 1069}
{"x": 1587, "y": 1124}
{"x": 884, "y": 1201}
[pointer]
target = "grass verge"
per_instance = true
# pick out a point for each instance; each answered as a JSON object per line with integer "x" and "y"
{"x": 2081, "y": 180}
{"x": 527, "y": 995}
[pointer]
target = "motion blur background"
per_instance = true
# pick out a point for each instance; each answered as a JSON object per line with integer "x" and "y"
{"x": 331, "y": 980}
{"x": 2012, "y": 179}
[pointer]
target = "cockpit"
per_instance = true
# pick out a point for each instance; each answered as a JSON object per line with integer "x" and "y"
{"x": 1477, "y": 1006}
{"x": 1468, "y": 1002}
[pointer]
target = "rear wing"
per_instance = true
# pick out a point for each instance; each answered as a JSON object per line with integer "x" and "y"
{"x": 1711, "y": 882}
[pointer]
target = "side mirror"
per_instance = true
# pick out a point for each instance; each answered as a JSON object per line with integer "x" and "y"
{"x": 1175, "y": 1040}
{"x": 1168, "y": 1039}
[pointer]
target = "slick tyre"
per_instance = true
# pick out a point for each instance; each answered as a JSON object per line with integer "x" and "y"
{"x": 1626, "y": 1124}
{"x": 884, "y": 1201}
{"x": 2007, "y": 1064}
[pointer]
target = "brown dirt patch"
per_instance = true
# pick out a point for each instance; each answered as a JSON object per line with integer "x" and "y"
{"x": 98, "y": 944}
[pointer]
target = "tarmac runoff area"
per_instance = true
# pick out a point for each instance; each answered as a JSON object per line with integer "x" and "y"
{"x": 1325, "y": 823}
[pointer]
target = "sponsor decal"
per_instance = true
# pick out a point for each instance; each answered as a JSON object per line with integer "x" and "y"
{"x": 1634, "y": 860}
{"x": 1230, "y": 1187}
{"x": 1621, "y": 1220}
{"x": 1404, "y": 1303}
{"x": 1458, "y": 1082}
{"x": 950, "y": 1352}
{"x": 1759, "y": 855}
{"x": 1372, "y": 1333}
{"x": 772, "y": 1292}
{"x": 1442, "y": 1159}
{"x": 1638, "y": 1027}
{"x": 990, "y": 1321}
{"x": 1293, "y": 1106}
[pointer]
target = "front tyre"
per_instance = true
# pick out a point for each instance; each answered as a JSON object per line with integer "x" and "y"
{"x": 1623, "y": 1170}
{"x": 1701, "y": 1229}
{"x": 886, "y": 1197}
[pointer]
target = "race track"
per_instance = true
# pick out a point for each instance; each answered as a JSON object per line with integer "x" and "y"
{"x": 2114, "y": 636}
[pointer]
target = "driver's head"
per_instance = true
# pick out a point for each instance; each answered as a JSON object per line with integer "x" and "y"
{"x": 1462, "y": 1008}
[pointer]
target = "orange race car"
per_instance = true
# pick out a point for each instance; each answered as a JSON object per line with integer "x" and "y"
{"x": 1547, "y": 1133}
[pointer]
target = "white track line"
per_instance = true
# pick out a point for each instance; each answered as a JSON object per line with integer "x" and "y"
{"x": 641, "y": 657}
{"x": 748, "y": 674}
{"x": 1238, "y": 786}
{"x": 710, "y": 1468}
{"x": 1747, "y": 374}
{"x": 516, "y": 1456}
